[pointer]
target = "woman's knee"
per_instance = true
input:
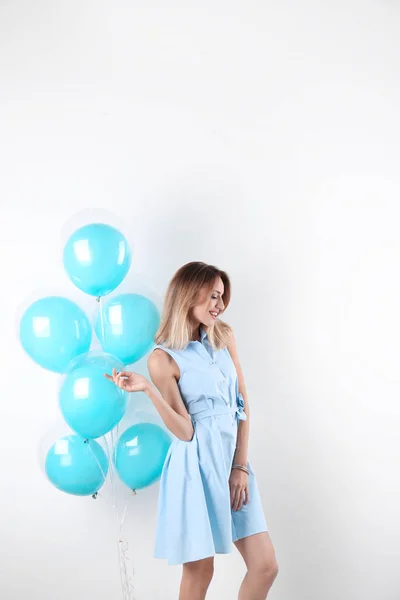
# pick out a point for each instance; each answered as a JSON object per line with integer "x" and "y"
{"x": 267, "y": 569}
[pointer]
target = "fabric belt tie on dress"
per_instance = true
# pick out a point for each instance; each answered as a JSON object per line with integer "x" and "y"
{"x": 201, "y": 410}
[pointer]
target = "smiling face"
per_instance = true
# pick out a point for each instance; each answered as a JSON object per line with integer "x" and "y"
{"x": 210, "y": 304}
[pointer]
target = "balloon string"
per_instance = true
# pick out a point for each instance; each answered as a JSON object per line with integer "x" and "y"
{"x": 126, "y": 583}
{"x": 123, "y": 546}
{"x": 110, "y": 469}
{"x": 101, "y": 469}
{"x": 103, "y": 338}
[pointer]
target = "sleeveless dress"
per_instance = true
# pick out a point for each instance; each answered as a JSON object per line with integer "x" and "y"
{"x": 194, "y": 516}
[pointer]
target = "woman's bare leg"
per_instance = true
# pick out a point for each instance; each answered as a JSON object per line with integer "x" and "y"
{"x": 196, "y": 577}
{"x": 262, "y": 568}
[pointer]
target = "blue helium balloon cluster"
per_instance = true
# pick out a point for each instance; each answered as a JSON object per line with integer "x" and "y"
{"x": 140, "y": 454}
{"x": 76, "y": 466}
{"x": 57, "y": 335}
{"x": 126, "y": 326}
{"x": 54, "y": 330}
{"x": 91, "y": 404}
{"x": 97, "y": 258}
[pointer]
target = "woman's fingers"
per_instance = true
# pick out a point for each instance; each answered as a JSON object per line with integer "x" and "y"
{"x": 120, "y": 382}
{"x": 239, "y": 496}
{"x": 232, "y": 497}
{"x": 235, "y": 492}
{"x": 113, "y": 377}
{"x": 119, "y": 378}
{"x": 240, "y": 500}
{"x": 124, "y": 373}
{"x": 236, "y": 505}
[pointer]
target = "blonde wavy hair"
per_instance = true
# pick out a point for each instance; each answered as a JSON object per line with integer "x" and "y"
{"x": 175, "y": 330}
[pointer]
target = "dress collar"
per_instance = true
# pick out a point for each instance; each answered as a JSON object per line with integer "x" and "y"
{"x": 203, "y": 333}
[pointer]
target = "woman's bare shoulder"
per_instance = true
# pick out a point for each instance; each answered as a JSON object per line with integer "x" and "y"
{"x": 160, "y": 361}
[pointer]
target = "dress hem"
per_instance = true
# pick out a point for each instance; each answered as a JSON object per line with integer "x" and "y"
{"x": 242, "y": 537}
{"x": 202, "y": 556}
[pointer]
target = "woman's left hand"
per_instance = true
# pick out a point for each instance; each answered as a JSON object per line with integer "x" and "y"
{"x": 239, "y": 488}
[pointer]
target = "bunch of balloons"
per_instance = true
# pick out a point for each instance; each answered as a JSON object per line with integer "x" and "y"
{"x": 57, "y": 334}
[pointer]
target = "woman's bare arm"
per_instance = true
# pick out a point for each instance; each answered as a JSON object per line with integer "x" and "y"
{"x": 242, "y": 442}
{"x": 165, "y": 394}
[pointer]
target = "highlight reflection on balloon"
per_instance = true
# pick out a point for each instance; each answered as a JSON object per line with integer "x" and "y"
{"x": 126, "y": 326}
{"x": 140, "y": 453}
{"x": 97, "y": 258}
{"x": 76, "y": 466}
{"x": 54, "y": 330}
{"x": 90, "y": 403}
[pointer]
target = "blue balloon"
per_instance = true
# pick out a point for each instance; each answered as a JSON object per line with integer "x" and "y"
{"x": 130, "y": 322}
{"x": 96, "y": 258}
{"x": 90, "y": 403}
{"x": 76, "y": 466}
{"x": 140, "y": 453}
{"x": 53, "y": 331}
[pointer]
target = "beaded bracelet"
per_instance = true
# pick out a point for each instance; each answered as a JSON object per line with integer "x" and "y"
{"x": 241, "y": 468}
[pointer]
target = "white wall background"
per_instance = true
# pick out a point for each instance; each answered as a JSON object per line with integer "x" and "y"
{"x": 261, "y": 137}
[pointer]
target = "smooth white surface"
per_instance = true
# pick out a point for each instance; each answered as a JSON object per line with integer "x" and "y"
{"x": 260, "y": 137}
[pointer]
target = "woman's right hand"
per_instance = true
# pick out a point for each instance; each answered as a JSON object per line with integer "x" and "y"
{"x": 129, "y": 381}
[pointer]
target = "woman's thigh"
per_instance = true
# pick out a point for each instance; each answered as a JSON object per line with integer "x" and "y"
{"x": 196, "y": 577}
{"x": 203, "y": 568}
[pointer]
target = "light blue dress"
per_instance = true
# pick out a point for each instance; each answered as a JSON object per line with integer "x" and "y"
{"x": 195, "y": 519}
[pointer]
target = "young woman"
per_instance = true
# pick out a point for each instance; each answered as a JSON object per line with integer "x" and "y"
{"x": 208, "y": 495}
